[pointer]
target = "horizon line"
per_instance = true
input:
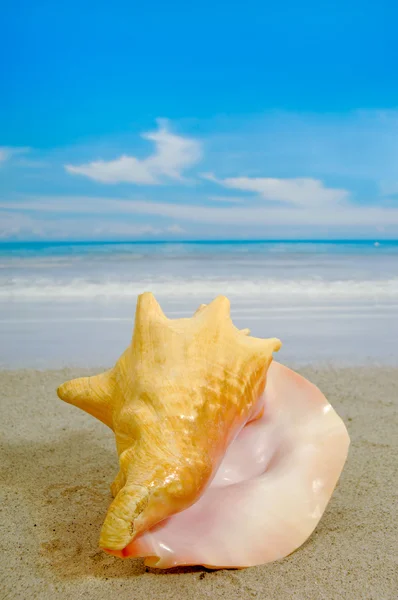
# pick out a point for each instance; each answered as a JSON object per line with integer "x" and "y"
{"x": 203, "y": 241}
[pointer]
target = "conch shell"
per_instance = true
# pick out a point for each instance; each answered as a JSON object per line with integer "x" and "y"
{"x": 176, "y": 399}
{"x": 270, "y": 490}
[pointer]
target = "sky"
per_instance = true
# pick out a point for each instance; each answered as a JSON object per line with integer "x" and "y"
{"x": 195, "y": 121}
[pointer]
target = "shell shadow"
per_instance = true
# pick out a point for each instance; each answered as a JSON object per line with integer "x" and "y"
{"x": 64, "y": 485}
{"x": 65, "y": 488}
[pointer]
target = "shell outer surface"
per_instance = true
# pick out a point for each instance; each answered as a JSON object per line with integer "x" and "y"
{"x": 176, "y": 399}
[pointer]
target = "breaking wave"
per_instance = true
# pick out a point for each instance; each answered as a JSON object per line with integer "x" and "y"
{"x": 174, "y": 288}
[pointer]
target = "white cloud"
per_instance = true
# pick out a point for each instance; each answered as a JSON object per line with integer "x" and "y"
{"x": 8, "y": 152}
{"x": 299, "y": 191}
{"x": 173, "y": 154}
{"x": 17, "y": 225}
{"x": 330, "y": 215}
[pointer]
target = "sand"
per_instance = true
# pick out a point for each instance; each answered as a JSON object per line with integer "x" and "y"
{"x": 57, "y": 463}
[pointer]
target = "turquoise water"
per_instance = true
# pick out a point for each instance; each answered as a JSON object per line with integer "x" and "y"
{"x": 65, "y": 303}
{"x": 58, "y": 248}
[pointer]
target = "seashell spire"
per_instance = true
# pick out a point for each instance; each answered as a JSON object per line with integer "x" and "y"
{"x": 175, "y": 400}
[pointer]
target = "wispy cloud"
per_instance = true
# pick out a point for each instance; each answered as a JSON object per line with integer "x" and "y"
{"x": 322, "y": 175}
{"x": 8, "y": 152}
{"x": 16, "y": 226}
{"x": 299, "y": 191}
{"x": 173, "y": 154}
{"x": 332, "y": 215}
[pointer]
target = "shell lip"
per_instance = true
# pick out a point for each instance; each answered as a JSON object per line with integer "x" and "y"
{"x": 119, "y": 553}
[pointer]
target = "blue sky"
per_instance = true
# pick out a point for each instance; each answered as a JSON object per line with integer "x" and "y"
{"x": 196, "y": 121}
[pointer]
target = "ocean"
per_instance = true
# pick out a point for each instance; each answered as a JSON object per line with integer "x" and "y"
{"x": 72, "y": 304}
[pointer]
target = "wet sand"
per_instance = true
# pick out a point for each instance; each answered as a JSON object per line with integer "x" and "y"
{"x": 57, "y": 464}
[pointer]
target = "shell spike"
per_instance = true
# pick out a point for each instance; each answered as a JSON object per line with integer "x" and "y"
{"x": 220, "y": 307}
{"x": 245, "y": 331}
{"x": 118, "y": 529}
{"x": 199, "y": 310}
{"x": 262, "y": 347}
{"x": 148, "y": 308}
{"x": 91, "y": 394}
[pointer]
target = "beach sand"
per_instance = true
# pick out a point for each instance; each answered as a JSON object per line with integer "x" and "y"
{"x": 57, "y": 464}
